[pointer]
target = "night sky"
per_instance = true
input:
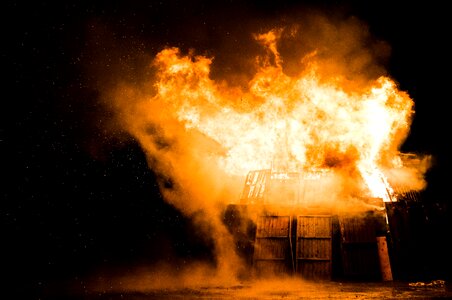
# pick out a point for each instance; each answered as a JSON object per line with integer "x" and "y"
{"x": 77, "y": 193}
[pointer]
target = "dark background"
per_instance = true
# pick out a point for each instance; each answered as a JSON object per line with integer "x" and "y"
{"x": 77, "y": 194}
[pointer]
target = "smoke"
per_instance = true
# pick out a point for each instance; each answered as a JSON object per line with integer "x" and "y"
{"x": 160, "y": 277}
{"x": 165, "y": 281}
{"x": 188, "y": 176}
{"x": 409, "y": 176}
{"x": 341, "y": 47}
{"x": 190, "y": 162}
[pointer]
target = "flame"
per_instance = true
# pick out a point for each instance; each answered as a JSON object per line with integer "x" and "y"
{"x": 289, "y": 123}
{"x": 320, "y": 122}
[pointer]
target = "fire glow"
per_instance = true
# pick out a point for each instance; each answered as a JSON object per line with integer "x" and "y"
{"x": 328, "y": 113}
{"x": 289, "y": 123}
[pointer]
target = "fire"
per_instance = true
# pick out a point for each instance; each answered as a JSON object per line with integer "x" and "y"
{"x": 289, "y": 123}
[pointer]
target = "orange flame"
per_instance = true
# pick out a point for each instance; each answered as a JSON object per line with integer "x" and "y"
{"x": 289, "y": 123}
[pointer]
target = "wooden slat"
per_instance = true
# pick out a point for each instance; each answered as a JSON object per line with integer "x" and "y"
{"x": 273, "y": 226}
{"x": 358, "y": 247}
{"x": 255, "y": 187}
{"x": 272, "y": 245}
{"x": 314, "y": 247}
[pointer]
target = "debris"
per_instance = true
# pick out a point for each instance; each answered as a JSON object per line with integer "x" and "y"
{"x": 433, "y": 283}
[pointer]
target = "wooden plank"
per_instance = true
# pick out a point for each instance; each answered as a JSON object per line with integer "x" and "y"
{"x": 314, "y": 246}
{"x": 272, "y": 250}
{"x": 359, "y": 247}
{"x": 255, "y": 187}
{"x": 383, "y": 255}
{"x": 273, "y": 226}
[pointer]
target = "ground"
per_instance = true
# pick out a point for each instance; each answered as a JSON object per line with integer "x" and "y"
{"x": 274, "y": 289}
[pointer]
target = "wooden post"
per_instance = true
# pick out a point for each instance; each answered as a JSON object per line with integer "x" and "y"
{"x": 383, "y": 256}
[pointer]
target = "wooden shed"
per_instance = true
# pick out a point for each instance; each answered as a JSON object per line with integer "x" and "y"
{"x": 295, "y": 239}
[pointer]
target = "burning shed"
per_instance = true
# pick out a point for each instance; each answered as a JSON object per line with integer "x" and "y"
{"x": 300, "y": 227}
{"x": 315, "y": 137}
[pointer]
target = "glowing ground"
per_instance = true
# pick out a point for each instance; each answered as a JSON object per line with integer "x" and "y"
{"x": 279, "y": 289}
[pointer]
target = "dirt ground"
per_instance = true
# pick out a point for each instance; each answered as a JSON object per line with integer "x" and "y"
{"x": 285, "y": 289}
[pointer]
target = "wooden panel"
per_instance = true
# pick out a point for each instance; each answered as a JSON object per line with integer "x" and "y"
{"x": 318, "y": 270}
{"x": 255, "y": 186}
{"x": 314, "y": 226}
{"x": 357, "y": 230}
{"x": 359, "y": 247}
{"x": 314, "y": 247}
{"x": 273, "y": 226}
{"x": 272, "y": 250}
